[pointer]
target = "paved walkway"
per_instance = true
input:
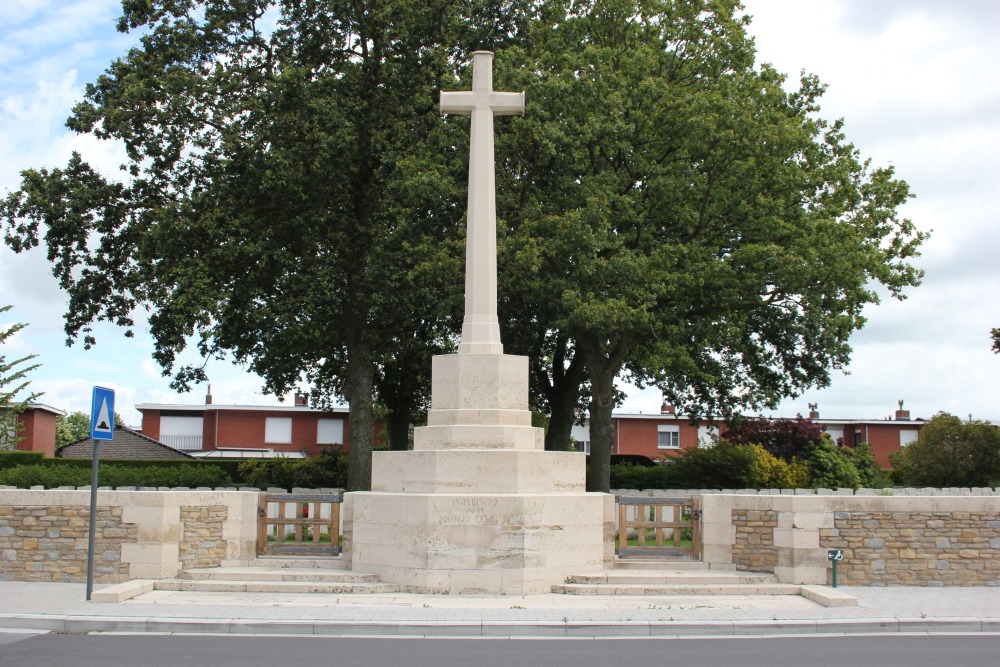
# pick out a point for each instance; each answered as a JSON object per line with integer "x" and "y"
{"x": 62, "y": 608}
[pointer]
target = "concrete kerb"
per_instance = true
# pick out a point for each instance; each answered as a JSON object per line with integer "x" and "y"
{"x": 499, "y": 629}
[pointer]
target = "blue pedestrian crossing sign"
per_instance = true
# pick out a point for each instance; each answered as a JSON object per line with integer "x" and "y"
{"x": 102, "y": 414}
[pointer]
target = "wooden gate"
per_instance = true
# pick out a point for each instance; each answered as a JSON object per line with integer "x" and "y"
{"x": 659, "y": 527}
{"x": 299, "y": 524}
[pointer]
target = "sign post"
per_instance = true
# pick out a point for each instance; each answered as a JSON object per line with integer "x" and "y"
{"x": 835, "y": 556}
{"x": 102, "y": 427}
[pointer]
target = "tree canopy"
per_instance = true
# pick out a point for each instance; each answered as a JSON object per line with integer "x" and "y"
{"x": 278, "y": 201}
{"x": 949, "y": 452}
{"x": 667, "y": 210}
{"x": 680, "y": 218}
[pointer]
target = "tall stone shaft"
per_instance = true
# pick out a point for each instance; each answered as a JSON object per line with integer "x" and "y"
{"x": 481, "y": 328}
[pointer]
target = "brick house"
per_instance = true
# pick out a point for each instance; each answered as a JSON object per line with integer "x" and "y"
{"x": 233, "y": 431}
{"x": 36, "y": 427}
{"x": 664, "y": 434}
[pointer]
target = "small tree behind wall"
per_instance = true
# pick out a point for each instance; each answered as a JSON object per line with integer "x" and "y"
{"x": 12, "y": 383}
{"x": 783, "y": 438}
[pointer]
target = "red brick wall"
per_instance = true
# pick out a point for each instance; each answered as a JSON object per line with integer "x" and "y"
{"x": 640, "y": 436}
{"x": 151, "y": 424}
{"x": 38, "y": 432}
{"x": 884, "y": 440}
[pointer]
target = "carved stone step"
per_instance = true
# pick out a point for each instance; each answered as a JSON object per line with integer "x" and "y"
{"x": 276, "y": 574}
{"x": 301, "y": 587}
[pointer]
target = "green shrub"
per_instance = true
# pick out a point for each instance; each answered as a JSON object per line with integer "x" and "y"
{"x": 630, "y": 476}
{"x": 49, "y": 476}
{"x": 328, "y": 470}
{"x": 831, "y": 467}
{"x": 12, "y": 459}
{"x": 724, "y": 466}
{"x": 767, "y": 471}
{"x": 26, "y": 476}
{"x": 871, "y": 474}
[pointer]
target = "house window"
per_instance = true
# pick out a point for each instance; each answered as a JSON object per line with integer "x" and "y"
{"x": 907, "y": 435}
{"x": 182, "y": 432}
{"x": 708, "y": 436}
{"x": 330, "y": 432}
{"x": 668, "y": 437}
{"x": 278, "y": 430}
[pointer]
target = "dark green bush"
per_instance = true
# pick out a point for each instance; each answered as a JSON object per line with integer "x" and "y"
{"x": 12, "y": 459}
{"x": 190, "y": 475}
{"x": 831, "y": 467}
{"x": 628, "y": 476}
{"x": 871, "y": 474}
{"x": 328, "y": 470}
{"x": 724, "y": 466}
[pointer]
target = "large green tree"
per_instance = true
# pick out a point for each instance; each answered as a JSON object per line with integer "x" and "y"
{"x": 678, "y": 217}
{"x": 288, "y": 184}
{"x": 13, "y": 381}
{"x": 950, "y": 452}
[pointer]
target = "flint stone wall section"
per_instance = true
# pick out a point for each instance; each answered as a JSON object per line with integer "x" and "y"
{"x": 203, "y": 544}
{"x": 887, "y": 540}
{"x": 916, "y": 548}
{"x": 754, "y": 548}
{"x": 49, "y": 543}
{"x": 140, "y": 534}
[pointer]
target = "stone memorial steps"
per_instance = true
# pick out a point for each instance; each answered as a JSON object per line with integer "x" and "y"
{"x": 677, "y": 589}
{"x": 291, "y": 562}
{"x": 276, "y": 574}
{"x": 298, "y": 587}
{"x": 692, "y": 579}
{"x": 683, "y": 577}
{"x": 660, "y": 564}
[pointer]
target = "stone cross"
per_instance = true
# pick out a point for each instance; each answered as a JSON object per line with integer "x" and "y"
{"x": 481, "y": 328}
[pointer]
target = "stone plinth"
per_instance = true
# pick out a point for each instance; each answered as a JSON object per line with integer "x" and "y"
{"x": 479, "y": 544}
{"x": 478, "y": 507}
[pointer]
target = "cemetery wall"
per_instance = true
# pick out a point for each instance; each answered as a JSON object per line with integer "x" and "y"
{"x": 886, "y": 540}
{"x": 898, "y": 537}
{"x": 139, "y": 534}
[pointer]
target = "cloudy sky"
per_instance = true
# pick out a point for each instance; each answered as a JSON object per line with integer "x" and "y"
{"x": 915, "y": 80}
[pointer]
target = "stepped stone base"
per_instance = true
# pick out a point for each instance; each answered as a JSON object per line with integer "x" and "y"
{"x": 478, "y": 471}
{"x": 488, "y": 544}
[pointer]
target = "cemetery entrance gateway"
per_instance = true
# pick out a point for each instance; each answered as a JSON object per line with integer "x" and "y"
{"x": 659, "y": 527}
{"x": 299, "y": 524}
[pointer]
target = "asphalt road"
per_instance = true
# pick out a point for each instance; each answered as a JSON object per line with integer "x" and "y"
{"x": 222, "y": 651}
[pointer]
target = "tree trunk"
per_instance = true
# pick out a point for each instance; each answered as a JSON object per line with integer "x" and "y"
{"x": 602, "y": 402}
{"x": 562, "y": 399}
{"x": 398, "y": 428}
{"x": 359, "y": 388}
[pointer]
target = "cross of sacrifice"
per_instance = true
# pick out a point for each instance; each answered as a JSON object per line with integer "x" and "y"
{"x": 481, "y": 328}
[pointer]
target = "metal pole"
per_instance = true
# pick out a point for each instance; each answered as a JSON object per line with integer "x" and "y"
{"x": 93, "y": 518}
{"x": 834, "y": 573}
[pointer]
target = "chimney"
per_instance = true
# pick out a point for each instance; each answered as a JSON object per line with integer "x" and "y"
{"x": 901, "y": 414}
{"x": 813, "y": 411}
{"x": 208, "y": 396}
{"x": 666, "y": 409}
{"x": 301, "y": 399}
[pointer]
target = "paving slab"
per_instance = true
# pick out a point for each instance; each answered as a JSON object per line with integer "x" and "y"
{"x": 62, "y": 607}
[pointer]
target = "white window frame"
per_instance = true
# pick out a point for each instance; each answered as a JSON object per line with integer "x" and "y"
{"x": 278, "y": 430}
{"x": 329, "y": 431}
{"x": 908, "y": 436}
{"x": 668, "y": 436}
